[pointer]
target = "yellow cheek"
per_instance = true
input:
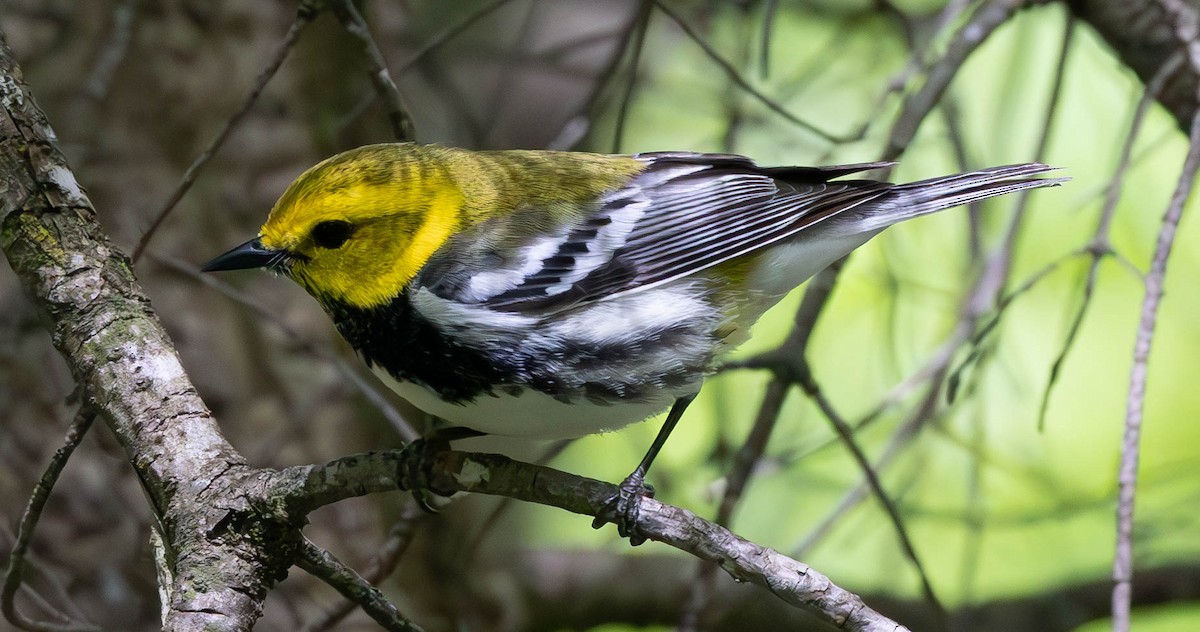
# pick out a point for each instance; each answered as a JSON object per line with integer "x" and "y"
{"x": 380, "y": 262}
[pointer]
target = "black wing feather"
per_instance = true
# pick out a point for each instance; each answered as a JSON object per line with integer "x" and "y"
{"x": 700, "y": 210}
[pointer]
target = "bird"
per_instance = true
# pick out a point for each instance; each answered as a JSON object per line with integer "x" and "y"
{"x": 552, "y": 294}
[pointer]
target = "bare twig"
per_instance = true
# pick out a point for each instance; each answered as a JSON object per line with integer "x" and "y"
{"x": 806, "y": 381}
{"x": 974, "y": 32}
{"x": 900, "y": 80}
{"x": 303, "y": 488}
{"x": 393, "y": 548}
{"x": 641, "y": 25}
{"x": 29, "y": 520}
{"x": 1135, "y": 404}
{"x": 437, "y": 41}
{"x": 323, "y": 565}
{"x": 736, "y": 76}
{"x": 770, "y": 9}
{"x": 1002, "y": 264}
{"x": 430, "y": 45}
{"x": 744, "y": 461}
{"x": 353, "y": 22}
{"x": 368, "y": 389}
{"x": 302, "y": 20}
{"x": 922, "y": 414}
{"x": 578, "y": 125}
{"x": 1100, "y": 245}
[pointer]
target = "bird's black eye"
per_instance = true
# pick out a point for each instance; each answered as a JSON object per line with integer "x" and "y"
{"x": 332, "y": 233}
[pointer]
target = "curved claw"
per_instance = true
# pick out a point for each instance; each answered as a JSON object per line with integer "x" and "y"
{"x": 622, "y": 508}
{"x": 416, "y": 464}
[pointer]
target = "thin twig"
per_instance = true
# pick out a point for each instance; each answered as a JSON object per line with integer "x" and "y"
{"x": 304, "y": 343}
{"x": 900, "y": 439}
{"x": 437, "y": 41}
{"x": 641, "y": 25}
{"x": 1135, "y": 404}
{"x": 29, "y": 520}
{"x": 353, "y": 22}
{"x": 956, "y": 137}
{"x": 741, "y": 81}
{"x": 577, "y": 125}
{"x": 966, "y": 40}
{"x": 975, "y": 516}
{"x": 806, "y": 381}
{"x": 1009, "y": 242}
{"x": 430, "y": 45}
{"x": 901, "y": 79}
{"x": 193, "y": 171}
{"x": 1100, "y": 245}
{"x": 744, "y": 461}
{"x": 770, "y": 9}
{"x": 324, "y": 566}
{"x": 399, "y": 537}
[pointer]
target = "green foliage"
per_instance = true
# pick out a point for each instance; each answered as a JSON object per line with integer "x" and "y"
{"x": 996, "y": 506}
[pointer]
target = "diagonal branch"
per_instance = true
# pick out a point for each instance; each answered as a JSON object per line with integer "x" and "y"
{"x": 101, "y": 322}
{"x": 229, "y": 532}
{"x": 355, "y": 25}
{"x": 736, "y": 76}
{"x": 1136, "y": 400}
{"x": 303, "y": 18}
{"x": 345, "y": 580}
{"x": 304, "y": 488}
{"x": 37, "y": 501}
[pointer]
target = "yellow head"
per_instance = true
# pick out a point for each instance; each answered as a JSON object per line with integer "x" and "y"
{"x": 357, "y": 227}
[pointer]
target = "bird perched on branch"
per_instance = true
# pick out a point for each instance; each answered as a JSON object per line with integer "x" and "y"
{"x": 555, "y": 294}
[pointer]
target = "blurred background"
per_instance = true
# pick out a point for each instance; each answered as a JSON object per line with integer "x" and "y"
{"x": 1005, "y": 481}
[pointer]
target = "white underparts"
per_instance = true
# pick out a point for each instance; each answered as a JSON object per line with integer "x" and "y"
{"x": 530, "y": 414}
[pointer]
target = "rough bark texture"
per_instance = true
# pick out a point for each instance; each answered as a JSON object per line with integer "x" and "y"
{"x": 1146, "y": 35}
{"x": 231, "y": 532}
{"x": 228, "y": 543}
{"x": 102, "y": 323}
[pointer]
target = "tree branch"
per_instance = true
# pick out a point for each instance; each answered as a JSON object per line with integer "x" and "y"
{"x": 229, "y": 531}
{"x": 305, "y": 488}
{"x": 102, "y": 324}
{"x": 1146, "y": 34}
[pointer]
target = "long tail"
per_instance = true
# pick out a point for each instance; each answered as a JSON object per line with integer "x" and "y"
{"x": 915, "y": 199}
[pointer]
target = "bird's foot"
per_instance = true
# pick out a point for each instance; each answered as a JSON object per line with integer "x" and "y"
{"x": 622, "y": 507}
{"x": 417, "y": 462}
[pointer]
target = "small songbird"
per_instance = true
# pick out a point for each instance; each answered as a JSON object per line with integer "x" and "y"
{"x": 553, "y": 294}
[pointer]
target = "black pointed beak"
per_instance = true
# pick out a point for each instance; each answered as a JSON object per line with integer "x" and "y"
{"x": 251, "y": 254}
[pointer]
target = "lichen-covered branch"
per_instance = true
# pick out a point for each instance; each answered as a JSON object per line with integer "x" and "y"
{"x": 103, "y": 325}
{"x": 229, "y": 531}
{"x": 304, "y": 488}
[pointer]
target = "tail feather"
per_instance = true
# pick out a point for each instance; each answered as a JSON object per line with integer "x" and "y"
{"x": 923, "y": 197}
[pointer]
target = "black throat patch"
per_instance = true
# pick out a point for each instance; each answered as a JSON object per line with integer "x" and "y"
{"x": 396, "y": 338}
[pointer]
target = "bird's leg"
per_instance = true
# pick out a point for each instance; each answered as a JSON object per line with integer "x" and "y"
{"x": 621, "y": 508}
{"x": 417, "y": 461}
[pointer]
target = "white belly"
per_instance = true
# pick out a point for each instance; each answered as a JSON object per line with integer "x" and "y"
{"x": 531, "y": 414}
